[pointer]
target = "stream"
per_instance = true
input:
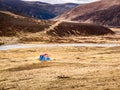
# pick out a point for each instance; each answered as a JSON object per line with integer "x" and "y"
{"x": 18, "y": 46}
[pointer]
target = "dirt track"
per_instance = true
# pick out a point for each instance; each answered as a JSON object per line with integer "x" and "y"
{"x": 71, "y": 68}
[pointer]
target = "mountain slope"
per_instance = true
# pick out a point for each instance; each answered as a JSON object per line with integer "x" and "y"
{"x": 55, "y": 9}
{"x": 94, "y": 13}
{"x": 24, "y": 29}
{"x": 23, "y": 8}
{"x": 12, "y": 24}
{"x": 78, "y": 29}
{"x": 108, "y": 17}
{"x": 34, "y": 9}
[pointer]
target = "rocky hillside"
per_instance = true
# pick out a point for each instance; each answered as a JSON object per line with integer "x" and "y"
{"x": 104, "y": 12}
{"x": 35, "y": 9}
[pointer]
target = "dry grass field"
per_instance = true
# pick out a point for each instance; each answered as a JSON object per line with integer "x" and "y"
{"x": 41, "y": 37}
{"x": 71, "y": 68}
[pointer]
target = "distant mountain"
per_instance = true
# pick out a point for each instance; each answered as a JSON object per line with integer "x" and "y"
{"x": 55, "y": 9}
{"x": 104, "y": 12}
{"x": 107, "y": 17}
{"x": 35, "y": 9}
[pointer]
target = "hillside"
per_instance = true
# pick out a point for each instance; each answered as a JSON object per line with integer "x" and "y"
{"x": 101, "y": 12}
{"x": 78, "y": 29}
{"x": 12, "y": 24}
{"x": 55, "y": 9}
{"x": 38, "y": 10}
{"x": 17, "y": 29}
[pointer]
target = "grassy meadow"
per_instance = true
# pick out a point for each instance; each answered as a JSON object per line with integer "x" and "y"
{"x": 71, "y": 68}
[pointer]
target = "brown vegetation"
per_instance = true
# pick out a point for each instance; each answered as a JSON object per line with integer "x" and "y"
{"x": 18, "y": 29}
{"x": 104, "y": 12}
{"x": 77, "y": 29}
{"x": 11, "y": 24}
{"x": 108, "y": 17}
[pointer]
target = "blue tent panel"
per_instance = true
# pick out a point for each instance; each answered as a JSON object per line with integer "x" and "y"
{"x": 43, "y": 58}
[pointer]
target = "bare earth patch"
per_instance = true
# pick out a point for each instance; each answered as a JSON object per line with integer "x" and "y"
{"x": 71, "y": 68}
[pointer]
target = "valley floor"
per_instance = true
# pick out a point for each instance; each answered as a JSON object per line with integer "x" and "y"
{"x": 71, "y": 68}
{"x": 43, "y": 38}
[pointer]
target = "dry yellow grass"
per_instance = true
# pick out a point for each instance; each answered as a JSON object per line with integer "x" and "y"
{"x": 40, "y": 37}
{"x": 71, "y": 68}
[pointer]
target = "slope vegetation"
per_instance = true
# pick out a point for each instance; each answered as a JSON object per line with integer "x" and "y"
{"x": 108, "y": 17}
{"x": 77, "y": 29}
{"x": 11, "y": 24}
{"x": 105, "y": 12}
{"x": 16, "y": 29}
